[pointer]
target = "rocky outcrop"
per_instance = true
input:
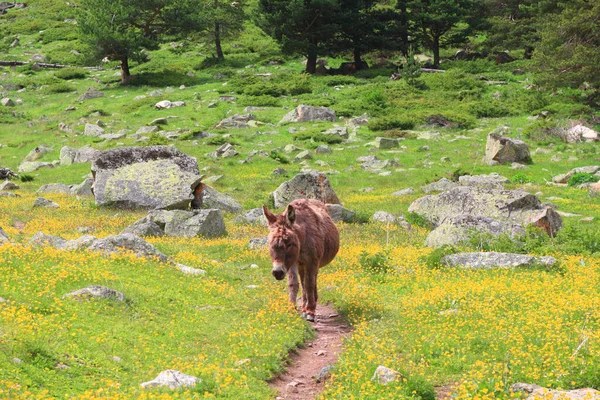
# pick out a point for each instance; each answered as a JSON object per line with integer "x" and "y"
{"x": 310, "y": 185}
{"x": 99, "y": 292}
{"x": 304, "y": 113}
{"x": 535, "y": 392}
{"x": 154, "y": 177}
{"x": 502, "y": 150}
{"x": 564, "y": 178}
{"x": 339, "y": 213}
{"x": 489, "y": 260}
{"x": 179, "y": 223}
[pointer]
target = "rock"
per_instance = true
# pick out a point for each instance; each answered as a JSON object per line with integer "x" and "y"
{"x": 67, "y": 155}
{"x": 159, "y": 121}
{"x": 86, "y": 154}
{"x": 144, "y": 227}
{"x": 376, "y": 166}
{"x": 90, "y": 94}
{"x": 172, "y": 379}
{"x": 179, "y": 223}
{"x": 337, "y": 131}
{"x": 112, "y": 136}
{"x": 564, "y": 178}
{"x": 359, "y": 121}
{"x": 27, "y": 166}
{"x": 503, "y": 58}
{"x": 6, "y": 102}
{"x": 537, "y": 392}
{"x": 38, "y": 153}
{"x": 8, "y": 185}
{"x": 383, "y": 216}
{"x": 7, "y": 173}
{"x": 303, "y": 155}
{"x": 212, "y": 198}
{"x": 93, "y": 130}
{"x": 324, "y": 373}
{"x": 146, "y": 130}
{"x": 250, "y": 109}
{"x": 55, "y": 188}
{"x": 8, "y": 194}
{"x": 41, "y": 239}
{"x": 254, "y": 216}
{"x": 3, "y": 236}
{"x": 224, "y": 151}
{"x": 166, "y": 104}
{"x": 491, "y": 181}
{"x": 236, "y": 121}
{"x": 439, "y": 186}
{"x": 338, "y": 213}
{"x": 594, "y": 187}
{"x": 404, "y": 192}
{"x": 489, "y": 260}
{"x": 279, "y": 171}
{"x": 518, "y": 166}
{"x": 581, "y": 132}
{"x": 42, "y": 202}
{"x": 384, "y": 375}
{"x": 304, "y": 113}
{"x": 189, "y": 270}
{"x": 258, "y": 243}
{"x": 458, "y": 230}
{"x": 153, "y": 177}
{"x": 385, "y": 143}
{"x": 100, "y": 292}
{"x": 310, "y": 185}
{"x": 118, "y": 243}
{"x": 502, "y": 150}
{"x": 323, "y": 149}
{"x": 508, "y": 206}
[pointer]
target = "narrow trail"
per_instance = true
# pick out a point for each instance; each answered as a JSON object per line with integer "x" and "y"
{"x": 298, "y": 381}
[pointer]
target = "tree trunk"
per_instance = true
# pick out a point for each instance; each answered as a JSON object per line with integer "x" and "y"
{"x": 125, "y": 75}
{"x": 404, "y": 46}
{"x": 311, "y": 62}
{"x": 358, "y": 64}
{"x": 435, "y": 47}
{"x": 220, "y": 55}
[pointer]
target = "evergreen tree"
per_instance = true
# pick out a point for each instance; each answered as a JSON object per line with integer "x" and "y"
{"x": 121, "y": 29}
{"x": 304, "y": 27}
{"x": 225, "y": 19}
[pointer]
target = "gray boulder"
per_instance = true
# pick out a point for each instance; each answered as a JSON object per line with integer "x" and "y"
{"x": 99, "y": 292}
{"x": 83, "y": 189}
{"x": 374, "y": 165}
{"x": 69, "y": 155}
{"x": 90, "y": 94}
{"x": 323, "y": 149}
{"x": 236, "y": 121}
{"x": 7, "y": 102}
{"x": 304, "y": 113}
{"x": 41, "y": 239}
{"x": 254, "y": 216}
{"x": 166, "y": 104}
{"x": 404, "y": 192}
{"x": 383, "y": 216}
{"x": 303, "y": 155}
{"x": 338, "y": 213}
{"x": 42, "y": 202}
{"x": 439, "y": 186}
{"x": 502, "y": 150}
{"x": 258, "y": 243}
{"x": 55, "y": 188}
{"x": 459, "y": 229}
{"x": 144, "y": 227}
{"x": 340, "y": 131}
{"x": 146, "y": 130}
{"x": 491, "y": 181}
{"x": 179, "y": 223}
{"x": 309, "y": 185}
{"x": 580, "y": 133}
{"x": 8, "y": 185}
{"x": 127, "y": 242}
{"x": 224, "y": 151}
{"x": 212, "y": 198}
{"x": 384, "y": 375}
{"x": 173, "y": 380}
{"x": 154, "y": 177}
{"x": 93, "y": 130}
{"x": 535, "y": 392}
{"x": 481, "y": 260}
{"x": 31, "y": 166}
{"x": 564, "y": 178}
{"x": 38, "y": 153}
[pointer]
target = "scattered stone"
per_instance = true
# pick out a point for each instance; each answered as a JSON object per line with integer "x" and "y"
{"x": 258, "y": 243}
{"x": 491, "y": 181}
{"x": 212, "y": 198}
{"x": 358, "y": 121}
{"x": 6, "y": 102}
{"x": 55, "y": 188}
{"x": 189, "y": 270}
{"x": 101, "y": 292}
{"x": 153, "y": 177}
{"x": 31, "y": 166}
{"x": 228, "y": 99}
{"x": 179, "y": 223}
{"x": 538, "y": 392}
{"x": 375, "y": 165}
{"x": 518, "y": 166}
{"x": 172, "y": 379}
{"x": 254, "y": 216}
{"x": 279, "y": 171}
{"x": 304, "y": 113}
{"x": 404, "y": 192}
{"x": 236, "y": 121}
{"x": 323, "y": 149}
{"x": 93, "y": 130}
{"x": 502, "y": 150}
{"x": 459, "y": 229}
{"x": 384, "y": 216}
{"x": 386, "y": 143}
{"x": 90, "y": 95}
{"x": 166, "y": 104}
{"x": 310, "y": 185}
{"x": 250, "y": 109}
{"x": 42, "y": 202}
{"x": 303, "y": 155}
{"x": 3, "y": 236}
{"x": 146, "y": 130}
{"x": 481, "y": 260}
{"x": 579, "y": 133}
{"x": 338, "y": 213}
{"x": 159, "y": 121}
{"x": 439, "y": 186}
{"x": 224, "y": 151}
{"x": 144, "y": 227}
{"x": 38, "y": 153}
{"x": 384, "y": 375}
{"x": 338, "y": 131}
{"x": 8, "y": 185}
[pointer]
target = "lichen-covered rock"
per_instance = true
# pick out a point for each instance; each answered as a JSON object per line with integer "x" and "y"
{"x": 481, "y": 260}
{"x": 90, "y": 94}
{"x": 376, "y": 166}
{"x": 30, "y": 166}
{"x": 144, "y": 227}
{"x": 127, "y": 242}
{"x": 100, "y": 292}
{"x": 258, "y": 243}
{"x": 41, "y": 239}
{"x": 236, "y": 121}
{"x": 172, "y": 379}
{"x": 42, "y": 202}
{"x": 536, "y": 392}
{"x": 323, "y": 149}
{"x": 491, "y": 181}
{"x": 384, "y": 375}
{"x": 304, "y": 113}
{"x": 166, "y": 104}
{"x": 212, "y": 198}
{"x": 338, "y": 213}
{"x": 564, "y": 178}
{"x": 303, "y": 155}
{"x": 84, "y": 188}
{"x": 460, "y": 229}
{"x": 226, "y": 150}
{"x": 383, "y": 143}
{"x": 340, "y": 131}
{"x": 38, "y": 153}
{"x": 55, "y": 188}
{"x": 502, "y": 150}
{"x": 310, "y": 185}
{"x": 254, "y": 216}
{"x": 439, "y": 186}
{"x": 404, "y": 192}
{"x": 179, "y": 223}
{"x": 154, "y": 177}
{"x": 93, "y": 130}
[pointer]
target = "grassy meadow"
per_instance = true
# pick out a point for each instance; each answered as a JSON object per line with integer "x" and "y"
{"x": 469, "y": 333}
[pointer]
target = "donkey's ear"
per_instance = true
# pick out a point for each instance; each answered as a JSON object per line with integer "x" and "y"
{"x": 291, "y": 214}
{"x": 271, "y": 218}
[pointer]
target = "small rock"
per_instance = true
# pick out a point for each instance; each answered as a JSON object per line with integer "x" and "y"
{"x": 258, "y": 243}
{"x": 404, "y": 192}
{"x": 383, "y": 216}
{"x": 172, "y": 379}
{"x": 42, "y": 202}
{"x": 101, "y": 292}
{"x": 384, "y": 375}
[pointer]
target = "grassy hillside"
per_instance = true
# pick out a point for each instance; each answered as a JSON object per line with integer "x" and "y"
{"x": 509, "y": 326}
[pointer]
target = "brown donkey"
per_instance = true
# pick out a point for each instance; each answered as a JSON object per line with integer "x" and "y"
{"x": 302, "y": 240}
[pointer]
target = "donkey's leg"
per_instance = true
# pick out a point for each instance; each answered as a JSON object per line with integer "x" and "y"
{"x": 311, "y": 294}
{"x": 302, "y": 276}
{"x": 293, "y": 284}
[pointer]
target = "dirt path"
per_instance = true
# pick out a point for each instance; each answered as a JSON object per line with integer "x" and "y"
{"x": 298, "y": 382}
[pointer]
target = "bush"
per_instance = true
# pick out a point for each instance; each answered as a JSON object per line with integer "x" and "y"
{"x": 581, "y": 178}
{"x": 493, "y": 109}
{"x": 318, "y": 137}
{"x": 434, "y": 259}
{"x": 521, "y": 178}
{"x": 277, "y": 156}
{"x": 457, "y": 173}
{"x": 62, "y": 87}
{"x": 71, "y": 73}
{"x": 377, "y": 263}
{"x": 391, "y": 122}
{"x": 26, "y": 178}
{"x": 156, "y": 139}
{"x": 417, "y": 220}
{"x": 259, "y": 101}
{"x": 420, "y": 388}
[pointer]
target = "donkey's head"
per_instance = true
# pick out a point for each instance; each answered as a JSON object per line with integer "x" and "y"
{"x": 284, "y": 244}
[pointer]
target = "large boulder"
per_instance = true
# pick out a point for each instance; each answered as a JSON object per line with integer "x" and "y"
{"x": 535, "y": 392}
{"x": 493, "y": 211}
{"x": 491, "y": 181}
{"x": 212, "y": 198}
{"x": 38, "y": 153}
{"x": 304, "y": 113}
{"x": 580, "y": 133}
{"x": 564, "y": 178}
{"x": 338, "y": 213}
{"x": 154, "y": 177}
{"x": 179, "y": 223}
{"x": 502, "y": 150}
{"x": 310, "y": 185}
{"x": 481, "y": 260}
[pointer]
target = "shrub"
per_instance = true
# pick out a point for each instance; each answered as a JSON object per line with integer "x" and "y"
{"x": 434, "y": 259}
{"x": 492, "y": 109}
{"x": 420, "y": 388}
{"x": 277, "y": 156}
{"x": 417, "y": 220}
{"x": 457, "y": 173}
{"x": 156, "y": 139}
{"x": 377, "y": 263}
{"x": 62, "y": 87}
{"x": 521, "y": 178}
{"x": 318, "y": 137}
{"x": 259, "y": 101}
{"x": 391, "y": 122}
{"x": 581, "y": 178}
{"x": 26, "y": 178}
{"x": 71, "y": 73}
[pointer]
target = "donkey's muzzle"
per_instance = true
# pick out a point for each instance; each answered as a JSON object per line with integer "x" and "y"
{"x": 278, "y": 274}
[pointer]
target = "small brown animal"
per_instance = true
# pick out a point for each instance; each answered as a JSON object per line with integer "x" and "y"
{"x": 302, "y": 240}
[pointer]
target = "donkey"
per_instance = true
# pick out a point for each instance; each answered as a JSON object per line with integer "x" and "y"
{"x": 302, "y": 240}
